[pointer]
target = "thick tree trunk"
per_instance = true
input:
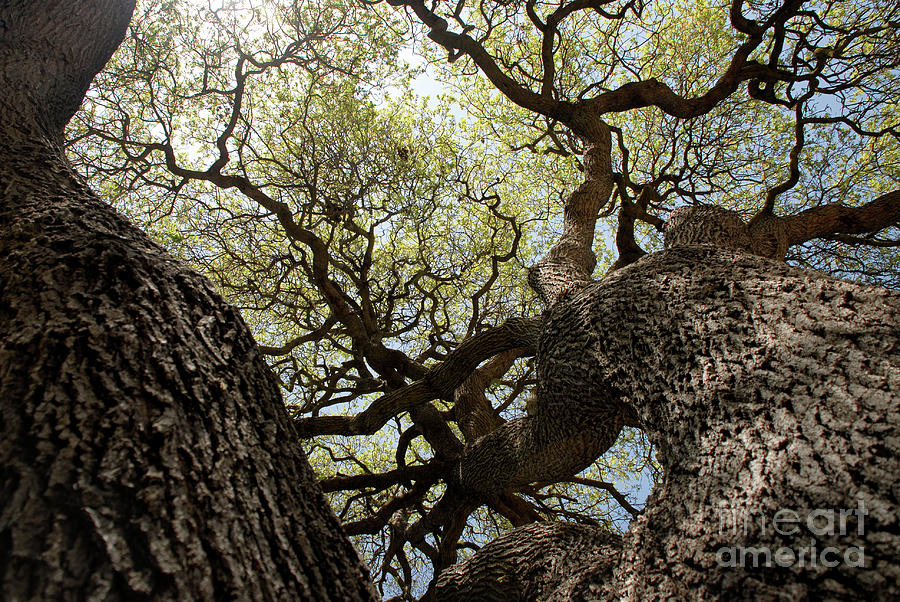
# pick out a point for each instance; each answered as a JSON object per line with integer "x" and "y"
{"x": 145, "y": 452}
{"x": 772, "y": 395}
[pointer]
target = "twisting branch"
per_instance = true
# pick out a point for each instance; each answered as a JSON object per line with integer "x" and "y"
{"x": 771, "y": 236}
{"x": 516, "y": 510}
{"x": 438, "y": 383}
{"x": 472, "y": 409}
{"x": 632, "y": 95}
{"x": 629, "y": 250}
{"x": 863, "y": 240}
{"x": 376, "y": 522}
{"x": 571, "y": 260}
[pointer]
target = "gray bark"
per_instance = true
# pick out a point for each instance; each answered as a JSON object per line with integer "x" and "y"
{"x": 765, "y": 388}
{"x": 145, "y": 451}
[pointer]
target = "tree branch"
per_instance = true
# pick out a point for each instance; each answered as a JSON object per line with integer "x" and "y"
{"x": 838, "y": 219}
{"x": 315, "y": 335}
{"x": 472, "y": 410}
{"x": 571, "y": 260}
{"x": 543, "y": 561}
{"x": 381, "y": 480}
{"x": 611, "y": 489}
{"x": 438, "y": 383}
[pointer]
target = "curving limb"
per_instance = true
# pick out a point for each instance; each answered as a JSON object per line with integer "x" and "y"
{"x": 438, "y": 383}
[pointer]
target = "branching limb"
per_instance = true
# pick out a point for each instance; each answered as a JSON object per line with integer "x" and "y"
{"x": 773, "y": 236}
{"x": 611, "y": 489}
{"x": 515, "y": 509}
{"x": 382, "y": 480}
{"x": 571, "y": 261}
{"x": 871, "y": 241}
{"x": 376, "y": 522}
{"x": 314, "y": 335}
{"x": 838, "y": 219}
{"x": 472, "y": 409}
{"x": 438, "y": 383}
{"x": 629, "y": 250}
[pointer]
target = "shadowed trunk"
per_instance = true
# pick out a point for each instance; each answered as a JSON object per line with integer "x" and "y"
{"x": 145, "y": 452}
{"x": 551, "y": 562}
{"x": 765, "y": 388}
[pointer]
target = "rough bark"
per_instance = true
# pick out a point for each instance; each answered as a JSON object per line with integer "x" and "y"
{"x": 571, "y": 261}
{"x": 771, "y": 236}
{"x": 551, "y": 562}
{"x": 50, "y": 52}
{"x": 145, "y": 452}
{"x": 474, "y": 413}
{"x": 554, "y": 443}
{"x": 765, "y": 388}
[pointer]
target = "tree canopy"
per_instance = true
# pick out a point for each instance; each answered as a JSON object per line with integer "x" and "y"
{"x": 394, "y": 256}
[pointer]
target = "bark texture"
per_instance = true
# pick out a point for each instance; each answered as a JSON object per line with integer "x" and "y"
{"x": 145, "y": 449}
{"x": 145, "y": 452}
{"x": 553, "y": 442}
{"x": 771, "y": 236}
{"x": 765, "y": 388}
{"x": 551, "y": 562}
{"x": 50, "y": 51}
{"x": 571, "y": 260}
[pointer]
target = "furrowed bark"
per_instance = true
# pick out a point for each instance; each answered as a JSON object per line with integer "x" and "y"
{"x": 556, "y": 443}
{"x": 765, "y": 388}
{"x": 145, "y": 452}
{"x": 772, "y": 389}
{"x": 545, "y": 561}
{"x": 821, "y": 221}
{"x": 474, "y": 413}
{"x": 50, "y": 51}
{"x": 145, "y": 448}
{"x": 571, "y": 261}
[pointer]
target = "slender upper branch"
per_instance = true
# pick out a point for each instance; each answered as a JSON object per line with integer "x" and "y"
{"x": 632, "y": 95}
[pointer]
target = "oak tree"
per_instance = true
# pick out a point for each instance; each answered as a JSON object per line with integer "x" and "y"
{"x": 343, "y": 235}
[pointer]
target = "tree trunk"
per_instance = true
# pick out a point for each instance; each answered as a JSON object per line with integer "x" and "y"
{"x": 771, "y": 394}
{"x": 145, "y": 451}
